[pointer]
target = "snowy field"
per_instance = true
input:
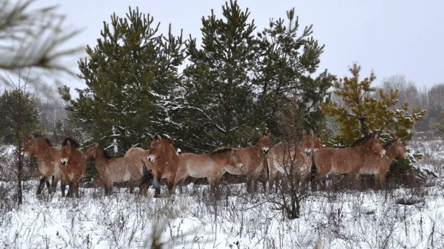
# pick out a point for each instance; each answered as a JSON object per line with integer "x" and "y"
{"x": 194, "y": 219}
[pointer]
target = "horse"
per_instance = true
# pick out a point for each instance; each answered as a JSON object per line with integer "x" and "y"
{"x": 48, "y": 158}
{"x": 72, "y": 166}
{"x": 117, "y": 170}
{"x": 254, "y": 158}
{"x": 347, "y": 160}
{"x": 292, "y": 157}
{"x": 380, "y": 166}
{"x": 161, "y": 159}
{"x": 211, "y": 165}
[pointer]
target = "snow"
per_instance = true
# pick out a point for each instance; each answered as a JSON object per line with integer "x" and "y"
{"x": 351, "y": 219}
{"x": 329, "y": 219}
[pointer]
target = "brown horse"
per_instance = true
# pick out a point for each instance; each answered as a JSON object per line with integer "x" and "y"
{"x": 161, "y": 159}
{"x": 292, "y": 157}
{"x": 48, "y": 158}
{"x": 211, "y": 165}
{"x": 348, "y": 160}
{"x": 117, "y": 170}
{"x": 73, "y": 166}
{"x": 254, "y": 158}
{"x": 379, "y": 166}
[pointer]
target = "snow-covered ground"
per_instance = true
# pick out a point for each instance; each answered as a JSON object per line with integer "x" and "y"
{"x": 341, "y": 219}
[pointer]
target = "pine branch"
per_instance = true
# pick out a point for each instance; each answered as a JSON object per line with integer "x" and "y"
{"x": 31, "y": 38}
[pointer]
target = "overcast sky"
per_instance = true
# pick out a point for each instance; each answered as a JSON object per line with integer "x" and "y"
{"x": 392, "y": 37}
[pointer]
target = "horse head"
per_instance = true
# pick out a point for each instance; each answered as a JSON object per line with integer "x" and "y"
{"x": 159, "y": 146}
{"x": 399, "y": 150}
{"x": 35, "y": 144}
{"x": 264, "y": 143}
{"x": 376, "y": 147}
{"x": 234, "y": 158}
{"x": 91, "y": 153}
{"x": 69, "y": 147}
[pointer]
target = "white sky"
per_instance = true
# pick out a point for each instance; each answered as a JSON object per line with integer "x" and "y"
{"x": 396, "y": 37}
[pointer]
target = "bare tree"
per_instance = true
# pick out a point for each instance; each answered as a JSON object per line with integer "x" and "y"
{"x": 292, "y": 186}
{"x": 435, "y": 96}
{"x": 408, "y": 93}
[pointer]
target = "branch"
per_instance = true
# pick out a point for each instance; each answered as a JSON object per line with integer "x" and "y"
{"x": 207, "y": 116}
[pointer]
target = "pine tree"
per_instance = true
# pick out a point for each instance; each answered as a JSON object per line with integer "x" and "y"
{"x": 284, "y": 75}
{"x": 218, "y": 93}
{"x": 239, "y": 83}
{"x": 17, "y": 106}
{"x": 130, "y": 77}
{"x": 19, "y": 119}
{"x": 363, "y": 115}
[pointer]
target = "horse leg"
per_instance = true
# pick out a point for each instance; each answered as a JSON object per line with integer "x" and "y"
{"x": 147, "y": 180}
{"x": 109, "y": 187}
{"x": 264, "y": 183}
{"x": 70, "y": 190}
{"x": 75, "y": 189}
{"x": 48, "y": 185}
{"x": 171, "y": 187}
{"x": 131, "y": 186}
{"x": 42, "y": 184}
{"x": 105, "y": 186}
{"x": 55, "y": 181}
{"x": 63, "y": 186}
{"x": 156, "y": 184}
{"x": 142, "y": 188}
{"x": 180, "y": 184}
{"x": 249, "y": 180}
{"x": 354, "y": 177}
{"x": 213, "y": 187}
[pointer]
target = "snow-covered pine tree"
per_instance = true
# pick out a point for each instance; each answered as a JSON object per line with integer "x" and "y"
{"x": 130, "y": 77}
{"x": 238, "y": 83}
{"x": 284, "y": 75}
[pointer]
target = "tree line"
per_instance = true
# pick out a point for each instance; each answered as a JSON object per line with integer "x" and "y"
{"x": 235, "y": 83}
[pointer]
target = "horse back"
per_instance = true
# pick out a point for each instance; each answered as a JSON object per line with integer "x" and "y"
{"x": 118, "y": 170}
{"x": 346, "y": 160}
{"x": 195, "y": 165}
{"x": 137, "y": 159}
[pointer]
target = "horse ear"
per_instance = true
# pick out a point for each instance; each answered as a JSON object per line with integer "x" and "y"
{"x": 96, "y": 145}
{"x": 68, "y": 142}
{"x": 398, "y": 140}
{"x": 269, "y": 135}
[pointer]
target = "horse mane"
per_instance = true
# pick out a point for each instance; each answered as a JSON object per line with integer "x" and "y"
{"x": 390, "y": 143}
{"x": 362, "y": 141}
{"x": 71, "y": 141}
{"x": 162, "y": 136}
{"x": 36, "y": 135}
{"x": 255, "y": 140}
{"x": 221, "y": 150}
{"x": 105, "y": 154}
